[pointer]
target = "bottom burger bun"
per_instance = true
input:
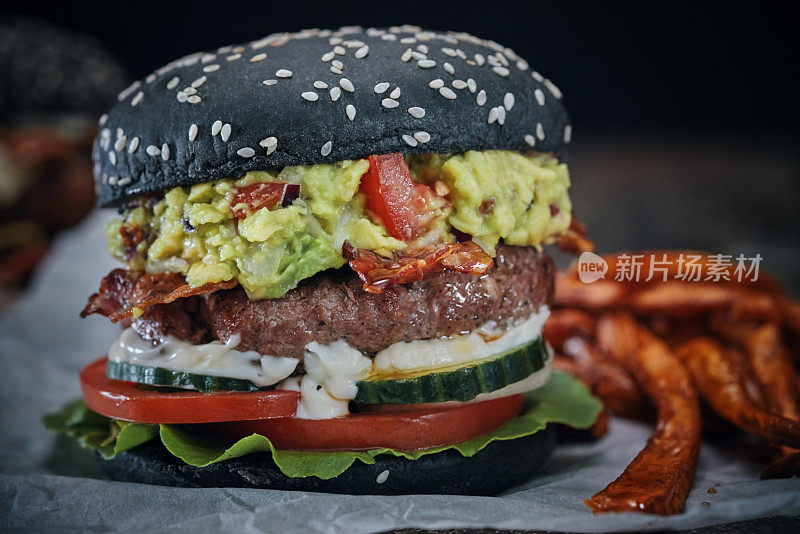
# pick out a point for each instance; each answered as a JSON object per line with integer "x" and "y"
{"x": 497, "y": 467}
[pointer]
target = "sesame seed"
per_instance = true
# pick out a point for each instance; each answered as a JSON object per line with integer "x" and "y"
{"x": 426, "y": 63}
{"x": 270, "y": 82}
{"x": 165, "y": 151}
{"x": 447, "y": 93}
{"x": 536, "y": 76}
{"x": 339, "y": 50}
{"x": 211, "y": 68}
{"x": 508, "y": 101}
{"x": 336, "y": 71}
{"x": 407, "y": 55}
{"x": 449, "y": 68}
{"x": 501, "y": 115}
{"x": 190, "y": 91}
{"x": 120, "y": 143}
{"x": 246, "y": 152}
{"x": 258, "y": 57}
{"x": 137, "y": 99}
{"x": 112, "y": 157}
{"x": 389, "y": 103}
{"x": 502, "y": 71}
{"x": 233, "y": 57}
{"x": 419, "y": 56}
{"x": 531, "y": 140}
{"x": 124, "y": 181}
{"x": 347, "y": 85}
{"x": 283, "y": 73}
{"x": 216, "y": 127}
{"x": 269, "y": 142}
{"x": 125, "y": 93}
{"x": 351, "y": 112}
{"x": 410, "y": 141}
{"x": 553, "y": 89}
{"x": 567, "y": 133}
{"x": 438, "y": 83}
{"x": 381, "y": 87}
{"x": 326, "y": 148}
{"x": 335, "y": 93}
{"x": 327, "y": 56}
{"x": 362, "y": 52}
{"x": 194, "y": 99}
{"x": 311, "y": 96}
{"x": 153, "y": 150}
{"x": 522, "y": 64}
{"x": 539, "y": 94}
{"x": 481, "y": 98}
{"x": 408, "y": 40}
{"x": 449, "y": 51}
{"x": 471, "y": 85}
{"x": 320, "y": 85}
{"x": 416, "y": 112}
{"x": 181, "y": 96}
{"x": 493, "y": 115}
{"x": 335, "y": 40}
{"x": 192, "y": 132}
{"x": 396, "y": 93}
{"x": 336, "y": 64}
{"x": 423, "y": 48}
{"x": 539, "y": 131}
{"x": 103, "y": 119}
{"x": 502, "y": 59}
{"x": 459, "y": 84}
{"x": 133, "y": 145}
{"x": 422, "y": 137}
{"x": 112, "y": 180}
{"x": 225, "y": 132}
{"x": 199, "y": 81}
{"x": 151, "y": 78}
{"x": 480, "y": 60}
{"x": 207, "y": 58}
{"x": 388, "y": 37}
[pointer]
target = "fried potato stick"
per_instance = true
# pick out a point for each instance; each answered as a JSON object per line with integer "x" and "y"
{"x": 718, "y": 377}
{"x": 659, "y": 478}
{"x": 564, "y": 324}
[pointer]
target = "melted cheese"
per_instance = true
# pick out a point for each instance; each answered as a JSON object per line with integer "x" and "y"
{"x": 213, "y": 359}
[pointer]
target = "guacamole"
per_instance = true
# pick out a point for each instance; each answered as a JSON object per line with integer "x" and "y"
{"x": 494, "y": 195}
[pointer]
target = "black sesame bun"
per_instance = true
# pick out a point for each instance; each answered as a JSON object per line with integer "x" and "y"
{"x": 499, "y": 466}
{"x": 47, "y": 72}
{"x": 320, "y": 96}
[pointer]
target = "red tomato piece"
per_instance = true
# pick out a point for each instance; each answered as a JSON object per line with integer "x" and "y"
{"x": 131, "y": 402}
{"x": 394, "y": 198}
{"x": 407, "y": 428}
{"x": 268, "y": 195}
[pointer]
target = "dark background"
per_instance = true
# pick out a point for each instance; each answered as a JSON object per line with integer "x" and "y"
{"x": 685, "y": 114}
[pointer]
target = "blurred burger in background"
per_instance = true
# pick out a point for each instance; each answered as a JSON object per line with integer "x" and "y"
{"x": 53, "y": 86}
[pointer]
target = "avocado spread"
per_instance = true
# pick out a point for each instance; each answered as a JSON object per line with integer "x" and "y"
{"x": 493, "y": 195}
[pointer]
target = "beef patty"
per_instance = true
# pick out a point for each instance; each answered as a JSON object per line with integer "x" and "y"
{"x": 332, "y": 306}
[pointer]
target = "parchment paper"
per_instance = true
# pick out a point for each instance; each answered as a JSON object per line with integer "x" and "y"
{"x": 48, "y": 484}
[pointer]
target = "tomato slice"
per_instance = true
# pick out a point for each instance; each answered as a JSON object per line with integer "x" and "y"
{"x": 394, "y": 198}
{"x": 409, "y": 429}
{"x": 132, "y": 402}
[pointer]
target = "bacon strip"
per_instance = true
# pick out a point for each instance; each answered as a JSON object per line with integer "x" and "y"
{"x": 379, "y": 272}
{"x": 659, "y": 478}
{"x": 124, "y": 292}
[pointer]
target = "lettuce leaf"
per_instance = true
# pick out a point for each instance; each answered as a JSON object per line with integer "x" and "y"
{"x": 562, "y": 400}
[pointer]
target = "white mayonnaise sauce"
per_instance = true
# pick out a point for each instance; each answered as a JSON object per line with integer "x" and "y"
{"x": 213, "y": 359}
{"x": 464, "y": 348}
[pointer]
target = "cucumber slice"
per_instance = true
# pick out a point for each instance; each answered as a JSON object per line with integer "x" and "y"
{"x": 455, "y": 383}
{"x": 158, "y": 376}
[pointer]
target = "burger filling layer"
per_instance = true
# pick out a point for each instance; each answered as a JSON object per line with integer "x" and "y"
{"x": 270, "y": 230}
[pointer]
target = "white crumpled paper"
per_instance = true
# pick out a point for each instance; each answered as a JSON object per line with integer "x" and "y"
{"x": 43, "y": 345}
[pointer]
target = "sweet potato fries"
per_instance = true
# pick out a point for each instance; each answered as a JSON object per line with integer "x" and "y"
{"x": 650, "y": 348}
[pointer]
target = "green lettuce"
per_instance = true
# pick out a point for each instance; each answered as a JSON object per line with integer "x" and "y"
{"x": 562, "y": 400}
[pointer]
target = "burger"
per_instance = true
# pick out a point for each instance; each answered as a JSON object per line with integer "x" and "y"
{"x": 333, "y": 271}
{"x": 53, "y": 87}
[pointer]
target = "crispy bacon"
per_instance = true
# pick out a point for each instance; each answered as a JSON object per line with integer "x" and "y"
{"x": 379, "y": 272}
{"x": 124, "y": 292}
{"x": 132, "y": 235}
{"x": 575, "y": 240}
{"x": 268, "y": 195}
